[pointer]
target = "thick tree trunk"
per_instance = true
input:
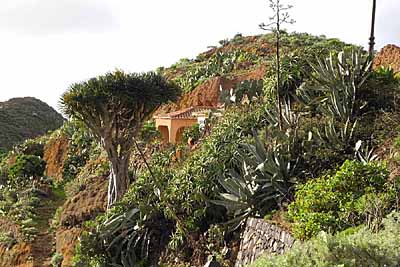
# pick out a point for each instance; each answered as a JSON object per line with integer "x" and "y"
{"x": 118, "y": 179}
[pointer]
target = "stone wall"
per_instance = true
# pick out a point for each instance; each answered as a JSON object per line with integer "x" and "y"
{"x": 261, "y": 237}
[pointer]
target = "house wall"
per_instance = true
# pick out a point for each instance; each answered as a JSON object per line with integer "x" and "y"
{"x": 175, "y": 128}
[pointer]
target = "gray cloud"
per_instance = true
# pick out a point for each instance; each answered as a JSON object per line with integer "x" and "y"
{"x": 44, "y": 17}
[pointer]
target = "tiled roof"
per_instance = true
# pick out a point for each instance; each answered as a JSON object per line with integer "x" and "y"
{"x": 188, "y": 113}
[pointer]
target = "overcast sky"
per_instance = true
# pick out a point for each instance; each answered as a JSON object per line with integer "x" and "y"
{"x": 48, "y": 44}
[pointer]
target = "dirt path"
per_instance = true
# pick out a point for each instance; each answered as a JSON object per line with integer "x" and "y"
{"x": 42, "y": 245}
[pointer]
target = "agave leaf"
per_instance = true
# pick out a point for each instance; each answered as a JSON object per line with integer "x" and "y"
{"x": 231, "y": 185}
{"x": 124, "y": 261}
{"x": 236, "y": 222}
{"x": 260, "y": 150}
{"x": 116, "y": 240}
{"x": 230, "y": 197}
{"x": 231, "y": 206}
{"x": 131, "y": 239}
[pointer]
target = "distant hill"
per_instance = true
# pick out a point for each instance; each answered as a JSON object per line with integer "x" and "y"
{"x": 24, "y": 118}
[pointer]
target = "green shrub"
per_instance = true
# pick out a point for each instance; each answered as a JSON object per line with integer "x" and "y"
{"x": 26, "y": 166}
{"x": 382, "y": 90}
{"x": 359, "y": 247}
{"x": 335, "y": 202}
{"x": 89, "y": 252}
{"x": 82, "y": 147}
{"x": 148, "y": 132}
{"x": 32, "y": 146}
{"x": 7, "y": 239}
{"x": 191, "y": 132}
{"x": 56, "y": 260}
{"x": 20, "y": 206}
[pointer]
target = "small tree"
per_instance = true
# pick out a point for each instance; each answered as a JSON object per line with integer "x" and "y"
{"x": 280, "y": 17}
{"x": 114, "y": 107}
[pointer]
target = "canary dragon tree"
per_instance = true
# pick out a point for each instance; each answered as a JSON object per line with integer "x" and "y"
{"x": 114, "y": 107}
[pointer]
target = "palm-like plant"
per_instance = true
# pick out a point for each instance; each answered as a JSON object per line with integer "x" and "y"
{"x": 114, "y": 107}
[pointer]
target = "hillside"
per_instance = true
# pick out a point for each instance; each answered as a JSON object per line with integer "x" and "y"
{"x": 185, "y": 202}
{"x": 242, "y": 58}
{"x": 23, "y": 118}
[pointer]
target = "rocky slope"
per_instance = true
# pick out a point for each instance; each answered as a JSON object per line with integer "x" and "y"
{"x": 24, "y": 118}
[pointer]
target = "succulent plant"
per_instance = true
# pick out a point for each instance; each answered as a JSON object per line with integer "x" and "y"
{"x": 336, "y": 84}
{"x": 262, "y": 182}
{"x": 125, "y": 238}
{"x": 335, "y": 136}
{"x": 365, "y": 154}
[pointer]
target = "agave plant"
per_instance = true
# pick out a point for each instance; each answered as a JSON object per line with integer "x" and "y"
{"x": 338, "y": 139}
{"x": 126, "y": 238}
{"x": 263, "y": 181}
{"x": 290, "y": 119}
{"x": 337, "y": 81}
{"x": 365, "y": 154}
{"x": 242, "y": 194}
{"x": 284, "y": 137}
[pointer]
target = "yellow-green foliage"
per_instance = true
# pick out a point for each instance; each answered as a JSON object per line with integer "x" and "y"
{"x": 362, "y": 248}
{"x": 336, "y": 202}
{"x": 25, "y": 167}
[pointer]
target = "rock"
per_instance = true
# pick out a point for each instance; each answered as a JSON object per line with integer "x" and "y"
{"x": 260, "y": 237}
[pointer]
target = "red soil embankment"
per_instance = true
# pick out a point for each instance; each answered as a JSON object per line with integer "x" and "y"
{"x": 388, "y": 56}
{"x": 55, "y": 154}
{"x": 85, "y": 205}
{"x": 207, "y": 93}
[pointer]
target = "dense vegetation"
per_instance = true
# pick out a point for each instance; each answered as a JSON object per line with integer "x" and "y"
{"x": 356, "y": 247}
{"x": 325, "y": 168}
{"x": 356, "y": 193}
{"x": 22, "y": 189}
{"x": 249, "y": 166}
{"x": 24, "y": 118}
{"x": 241, "y": 54}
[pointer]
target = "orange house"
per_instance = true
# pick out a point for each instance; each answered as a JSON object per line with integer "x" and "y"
{"x": 172, "y": 125}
